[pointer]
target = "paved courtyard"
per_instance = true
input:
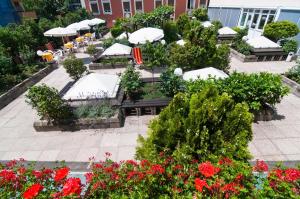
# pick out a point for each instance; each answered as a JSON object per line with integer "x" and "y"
{"x": 273, "y": 140}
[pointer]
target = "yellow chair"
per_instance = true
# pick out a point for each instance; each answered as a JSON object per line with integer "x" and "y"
{"x": 47, "y": 56}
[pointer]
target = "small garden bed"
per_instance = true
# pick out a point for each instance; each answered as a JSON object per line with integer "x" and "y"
{"x": 109, "y": 63}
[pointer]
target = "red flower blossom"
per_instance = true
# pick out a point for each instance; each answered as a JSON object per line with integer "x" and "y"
{"x": 88, "y": 177}
{"x": 239, "y": 177}
{"x": 177, "y": 167}
{"x": 260, "y": 166}
{"x": 135, "y": 174}
{"x": 32, "y": 191}
{"x": 61, "y": 174}
{"x": 215, "y": 187}
{"x": 47, "y": 172}
{"x": 225, "y": 161}
{"x": 99, "y": 184}
{"x": 292, "y": 174}
{"x": 37, "y": 174}
{"x": 11, "y": 163}
{"x": 8, "y": 175}
{"x": 199, "y": 184}
{"x": 72, "y": 187}
{"x": 229, "y": 189}
{"x": 132, "y": 162}
{"x": 157, "y": 169}
{"x": 21, "y": 170}
{"x": 207, "y": 169}
{"x": 145, "y": 163}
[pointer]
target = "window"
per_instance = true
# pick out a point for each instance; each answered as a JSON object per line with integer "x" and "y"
{"x": 126, "y": 8}
{"x": 157, "y": 3}
{"x": 94, "y": 7}
{"x": 190, "y": 4}
{"x": 202, "y": 3}
{"x": 256, "y": 19}
{"x": 139, "y": 6}
{"x": 106, "y": 7}
{"x": 171, "y": 3}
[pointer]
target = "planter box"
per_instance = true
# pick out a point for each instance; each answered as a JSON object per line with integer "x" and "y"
{"x": 116, "y": 121}
{"x": 19, "y": 89}
{"x": 98, "y": 66}
{"x": 294, "y": 86}
{"x": 266, "y": 114}
{"x": 241, "y": 57}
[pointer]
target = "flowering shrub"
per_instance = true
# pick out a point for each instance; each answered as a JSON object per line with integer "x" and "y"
{"x": 160, "y": 178}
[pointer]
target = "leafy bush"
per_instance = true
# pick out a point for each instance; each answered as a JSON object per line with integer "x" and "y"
{"x": 256, "y": 90}
{"x": 183, "y": 23}
{"x": 242, "y": 47}
{"x": 171, "y": 84}
{"x": 91, "y": 50}
{"x": 280, "y": 30}
{"x": 108, "y": 42}
{"x": 48, "y": 103}
{"x": 170, "y": 31}
{"x": 74, "y": 67}
{"x": 223, "y": 178}
{"x": 130, "y": 81}
{"x": 294, "y": 73}
{"x": 290, "y": 46}
{"x": 116, "y": 31}
{"x": 201, "y": 126}
{"x": 93, "y": 111}
{"x": 200, "y": 14}
{"x": 154, "y": 55}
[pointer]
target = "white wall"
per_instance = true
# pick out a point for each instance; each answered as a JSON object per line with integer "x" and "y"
{"x": 255, "y": 3}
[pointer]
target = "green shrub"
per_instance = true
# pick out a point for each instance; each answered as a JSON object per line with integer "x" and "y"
{"x": 91, "y": 49}
{"x": 256, "y": 90}
{"x": 48, "y": 103}
{"x": 171, "y": 84}
{"x": 217, "y": 24}
{"x": 280, "y": 30}
{"x": 103, "y": 110}
{"x": 294, "y": 73}
{"x": 183, "y": 23}
{"x": 242, "y": 47}
{"x": 116, "y": 31}
{"x": 108, "y": 42}
{"x": 74, "y": 67}
{"x": 204, "y": 125}
{"x": 170, "y": 31}
{"x": 290, "y": 46}
{"x": 200, "y": 14}
{"x": 154, "y": 55}
{"x": 130, "y": 81}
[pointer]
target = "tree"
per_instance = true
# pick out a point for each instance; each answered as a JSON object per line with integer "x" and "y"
{"x": 48, "y": 103}
{"x": 170, "y": 31}
{"x": 280, "y": 30}
{"x": 200, "y": 14}
{"x": 183, "y": 24}
{"x": 201, "y": 126}
{"x": 74, "y": 67}
{"x": 171, "y": 84}
{"x": 130, "y": 81}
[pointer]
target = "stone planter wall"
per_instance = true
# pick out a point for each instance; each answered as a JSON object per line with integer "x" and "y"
{"x": 19, "y": 89}
{"x": 87, "y": 123}
{"x": 294, "y": 86}
{"x": 266, "y": 114}
{"x": 98, "y": 66}
{"x": 241, "y": 57}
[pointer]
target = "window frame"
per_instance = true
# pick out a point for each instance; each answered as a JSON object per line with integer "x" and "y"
{"x": 94, "y": 2}
{"x": 139, "y": 11}
{"x": 106, "y": 1}
{"x": 194, "y": 6}
{"x": 161, "y": 1}
{"x": 124, "y": 13}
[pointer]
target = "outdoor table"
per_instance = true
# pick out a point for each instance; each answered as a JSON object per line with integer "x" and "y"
{"x": 68, "y": 45}
{"x": 79, "y": 39}
{"x": 88, "y": 34}
{"x": 47, "y": 56}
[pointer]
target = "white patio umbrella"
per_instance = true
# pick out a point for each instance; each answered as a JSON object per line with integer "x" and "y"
{"x": 181, "y": 42}
{"x": 96, "y": 21}
{"x": 117, "y": 50}
{"x": 85, "y": 22}
{"x": 60, "y": 32}
{"x": 79, "y": 26}
{"x": 226, "y": 31}
{"x": 123, "y": 36}
{"x": 204, "y": 74}
{"x": 207, "y": 24}
{"x": 143, "y": 35}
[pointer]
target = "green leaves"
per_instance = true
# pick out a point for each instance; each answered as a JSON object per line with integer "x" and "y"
{"x": 74, "y": 67}
{"x": 130, "y": 81}
{"x": 280, "y": 30}
{"x": 200, "y": 14}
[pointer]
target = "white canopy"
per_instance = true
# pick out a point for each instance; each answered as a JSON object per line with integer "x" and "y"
{"x": 226, "y": 31}
{"x": 60, "y": 32}
{"x": 94, "y": 86}
{"x": 96, "y": 21}
{"x": 117, "y": 50}
{"x": 204, "y": 74}
{"x": 206, "y": 24}
{"x": 123, "y": 36}
{"x": 262, "y": 42}
{"x": 78, "y": 26}
{"x": 143, "y": 35}
{"x": 181, "y": 42}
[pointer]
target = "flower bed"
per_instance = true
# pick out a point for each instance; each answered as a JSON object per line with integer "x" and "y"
{"x": 162, "y": 178}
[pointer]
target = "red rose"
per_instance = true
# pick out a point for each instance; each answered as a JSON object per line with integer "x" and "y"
{"x": 260, "y": 166}
{"x": 199, "y": 184}
{"x": 88, "y": 177}
{"x": 292, "y": 174}
{"x": 8, "y": 175}
{"x": 32, "y": 191}
{"x": 207, "y": 169}
{"x": 157, "y": 169}
{"x": 72, "y": 187}
{"x": 61, "y": 174}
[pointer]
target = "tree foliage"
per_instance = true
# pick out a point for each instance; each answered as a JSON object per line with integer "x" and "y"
{"x": 48, "y": 103}
{"x": 171, "y": 84}
{"x": 204, "y": 125}
{"x": 131, "y": 81}
{"x": 280, "y": 30}
{"x": 154, "y": 55}
{"x": 200, "y": 14}
{"x": 74, "y": 67}
{"x": 183, "y": 24}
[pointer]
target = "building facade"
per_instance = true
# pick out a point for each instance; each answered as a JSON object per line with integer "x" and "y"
{"x": 8, "y": 12}
{"x": 254, "y": 14}
{"x": 111, "y": 10}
